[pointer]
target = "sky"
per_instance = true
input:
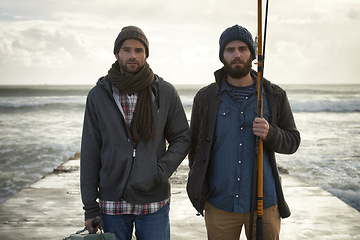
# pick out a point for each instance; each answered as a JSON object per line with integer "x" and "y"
{"x": 71, "y": 42}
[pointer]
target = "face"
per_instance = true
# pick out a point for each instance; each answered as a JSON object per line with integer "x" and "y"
{"x": 237, "y": 59}
{"x": 131, "y": 56}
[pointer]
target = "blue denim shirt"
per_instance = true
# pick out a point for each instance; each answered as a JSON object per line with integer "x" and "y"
{"x": 233, "y": 154}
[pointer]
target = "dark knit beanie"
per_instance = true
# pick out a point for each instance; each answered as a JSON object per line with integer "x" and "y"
{"x": 131, "y": 32}
{"x": 236, "y": 32}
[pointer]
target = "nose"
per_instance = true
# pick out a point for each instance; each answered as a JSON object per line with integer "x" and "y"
{"x": 132, "y": 55}
{"x": 237, "y": 53}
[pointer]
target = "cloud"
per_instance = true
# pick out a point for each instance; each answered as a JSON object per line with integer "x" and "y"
{"x": 41, "y": 44}
{"x": 73, "y": 38}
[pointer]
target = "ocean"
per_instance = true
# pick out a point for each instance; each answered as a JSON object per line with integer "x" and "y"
{"x": 41, "y": 128}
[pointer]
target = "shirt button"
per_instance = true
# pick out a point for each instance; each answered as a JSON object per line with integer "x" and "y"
{"x": 239, "y": 161}
{"x": 241, "y": 128}
{"x": 224, "y": 114}
{"x": 238, "y": 179}
{"x": 240, "y": 144}
{"x": 237, "y": 196}
{"x": 242, "y": 112}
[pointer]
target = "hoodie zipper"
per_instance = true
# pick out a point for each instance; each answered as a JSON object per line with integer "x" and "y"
{"x": 130, "y": 171}
{"x": 157, "y": 100}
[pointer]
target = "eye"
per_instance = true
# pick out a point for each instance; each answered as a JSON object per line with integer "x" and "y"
{"x": 244, "y": 48}
{"x": 229, "y": 50}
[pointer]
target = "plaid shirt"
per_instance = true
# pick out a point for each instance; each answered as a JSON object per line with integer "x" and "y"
{"x": 128, "y": 104}
{"x": 123, "y": 207}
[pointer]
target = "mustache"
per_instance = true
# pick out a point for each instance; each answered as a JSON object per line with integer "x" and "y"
{"x": 132, "y": 61}
{"x": 237, "y": 61}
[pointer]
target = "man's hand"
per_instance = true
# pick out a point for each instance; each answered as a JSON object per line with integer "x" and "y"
{"x": 89, "y": 225}
{"x": 261, "y": 127}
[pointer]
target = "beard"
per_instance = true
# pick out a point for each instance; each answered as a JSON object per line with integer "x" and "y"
{"x": 127, "y": 70}
{"x": 238, "y": 71}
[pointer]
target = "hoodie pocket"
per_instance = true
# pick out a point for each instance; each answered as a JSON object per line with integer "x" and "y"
{"x": 117, "y": 169}
{"x": 146, "y": 173}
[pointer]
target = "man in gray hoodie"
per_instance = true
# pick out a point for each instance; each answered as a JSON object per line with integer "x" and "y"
{"x": 135, "y": 135}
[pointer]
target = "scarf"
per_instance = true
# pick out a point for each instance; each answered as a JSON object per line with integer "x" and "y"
{"x": 143, "y": 122}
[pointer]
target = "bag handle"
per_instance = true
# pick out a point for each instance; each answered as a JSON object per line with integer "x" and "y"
{"x": 94, "y": 224}
{"x": 78, "y": 232}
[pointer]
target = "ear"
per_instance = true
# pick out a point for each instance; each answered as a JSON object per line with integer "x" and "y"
{"x": 117, "y": 56}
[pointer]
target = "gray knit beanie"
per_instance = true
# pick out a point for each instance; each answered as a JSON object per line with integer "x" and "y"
{"x": 236, "y": 32}
{"x": 131, "y": 32}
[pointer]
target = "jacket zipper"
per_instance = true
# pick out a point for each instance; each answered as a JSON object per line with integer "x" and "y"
{"x": 130, "y": 173}
{"x": 133, "y": 155}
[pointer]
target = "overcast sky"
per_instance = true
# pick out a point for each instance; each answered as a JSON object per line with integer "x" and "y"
{"x": 71, "y": 42}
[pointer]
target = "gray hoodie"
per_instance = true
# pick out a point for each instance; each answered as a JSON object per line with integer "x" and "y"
{"x": 111, "y": 169}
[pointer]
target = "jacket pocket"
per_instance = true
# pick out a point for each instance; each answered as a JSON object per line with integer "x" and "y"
{"x": 146, "y": 173}
{"x": 117, "y": 168}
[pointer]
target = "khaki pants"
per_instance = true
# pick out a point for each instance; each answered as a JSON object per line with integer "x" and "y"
{"x": 227, "y": 225}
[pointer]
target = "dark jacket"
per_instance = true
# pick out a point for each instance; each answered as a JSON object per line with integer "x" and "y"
{"x": 111, "y": 169}
{"x": 283, "y": 137}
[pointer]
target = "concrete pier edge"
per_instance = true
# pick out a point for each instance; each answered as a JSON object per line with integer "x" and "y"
{"x": 51, "y": 208}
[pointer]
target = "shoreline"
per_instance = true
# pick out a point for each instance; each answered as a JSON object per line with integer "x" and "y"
{"x": 51, "y": 208}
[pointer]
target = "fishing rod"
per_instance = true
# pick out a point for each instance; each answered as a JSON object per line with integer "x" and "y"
{"x": 258, "y": 182}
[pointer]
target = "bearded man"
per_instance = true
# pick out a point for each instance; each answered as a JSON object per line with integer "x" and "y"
{"x": 130, "y": 117}
{"x": 223, "y": 131}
